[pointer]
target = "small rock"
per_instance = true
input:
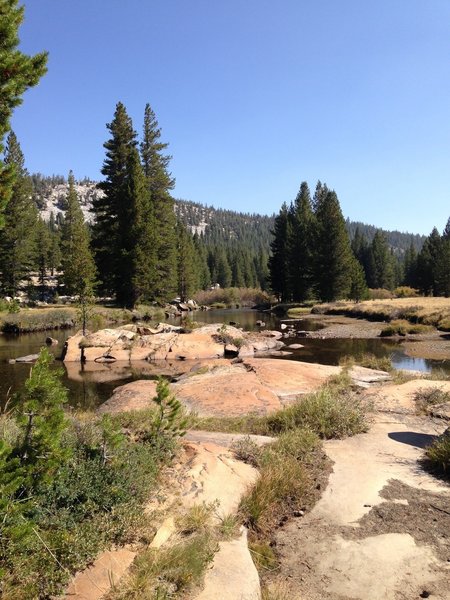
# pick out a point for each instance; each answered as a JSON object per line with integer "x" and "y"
{"x": 27, "y": 359}
{"x": 283, "y": 326}
{"x": 231, "y": 351}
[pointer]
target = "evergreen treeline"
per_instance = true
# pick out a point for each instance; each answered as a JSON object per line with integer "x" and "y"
{"x": 313, "y": 258}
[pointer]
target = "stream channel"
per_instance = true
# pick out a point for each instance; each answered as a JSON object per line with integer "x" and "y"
{"x": 90, "y": 389}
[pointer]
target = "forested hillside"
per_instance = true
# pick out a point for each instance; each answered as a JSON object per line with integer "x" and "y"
{"x": 215, "y": 224}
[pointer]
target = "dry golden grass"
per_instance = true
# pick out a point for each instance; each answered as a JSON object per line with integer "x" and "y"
{"x": 429, "y": 311}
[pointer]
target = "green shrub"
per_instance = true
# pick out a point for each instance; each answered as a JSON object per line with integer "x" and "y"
{"x": 327, "y": 413}
{"x": 437, "y": 456}
{"x": 247, "y": 450}
{"x": 402, "y": 327}
{"x": 73, "y": 485}
{"x": 368, "y": 360}
{"x": 405, "y": 291}
{"x": 174, "y": 568}
{"x": 282, "y": 480}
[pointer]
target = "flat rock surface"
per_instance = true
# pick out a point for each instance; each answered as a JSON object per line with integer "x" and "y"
{"x": 233, "y": 576}
{"x": 230, "y": 390}
{"x": 290, "y": 378}
{"x": 225, "y": 439}
{"x": 378, "y": 532}
{"x": 94, "y": 582}
{"x": 400, "y": 398}
{"x": 218, "y": 388}
{"x": 135, "y": 395}
{"x": 215, "y": 476}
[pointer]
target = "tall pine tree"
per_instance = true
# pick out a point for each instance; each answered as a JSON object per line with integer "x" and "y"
{"x": 300, "y": 245}
{"x": 18, "y": 72}
{"x": 333, "y": 255}
{"x": 160, "y": 181}
{"x": 111, "y": 229}
{"x": 77, "y": 262}
{"x": 279, "y": 259}
{"x": 18, "y": 238}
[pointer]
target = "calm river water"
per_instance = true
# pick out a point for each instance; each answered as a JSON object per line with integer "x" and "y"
{"x": 91, "y": 389}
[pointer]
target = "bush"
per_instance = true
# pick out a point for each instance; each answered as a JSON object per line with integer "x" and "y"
{"x": 426, "y": 397}
{"x": 437, "y": 456}
{"x": 402, "y": 327}
{"x": 380, "y": 294}
{"x": 74, "y": 485}
{"x": 444, "y": 324}
{"x": 405, "y": 291}
{"x": 247, "y": 450}
{"x": 327, "y": 413}
{"x": 368, "y": 360}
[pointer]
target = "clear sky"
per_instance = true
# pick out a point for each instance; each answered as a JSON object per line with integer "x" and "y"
{"x": 255, "y": 96}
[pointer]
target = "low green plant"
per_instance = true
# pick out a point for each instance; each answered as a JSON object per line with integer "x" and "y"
{"x": 172, "y": 569}
{"x": 282, "y": 480}
{"x": 229, "y": 526}
{"x": 246, "y": 450}
{"x": 369, "y": 360}
{"x": 403, "y": 327}
{"x": 13, "y": 307}
{"x": 437, "y": 455}
{"x": 427, "y": 397}
{"x": 263, "y": 556}
{"x": 196, "y": 519}
{"x": 325, "y": 412}
{"x": 72, "y": 485}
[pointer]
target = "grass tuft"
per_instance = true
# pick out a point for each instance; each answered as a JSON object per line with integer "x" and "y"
{"x": 426, "y": 397}
{"x": 437, "y": 455}
{"x": 403, "y": 327}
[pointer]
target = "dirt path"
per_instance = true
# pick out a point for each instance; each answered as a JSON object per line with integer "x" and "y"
{"x": 381, "y": 529}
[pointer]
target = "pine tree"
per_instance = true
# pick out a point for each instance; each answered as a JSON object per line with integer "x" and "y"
{"x": 186, "y": 264}
{"x": 18, "y": 72}
{"x": 300, "y": 245}
{"x": 358, "y": 287}
{"x": 279, "y": 260}
{"x": 160, "y": 182}
{"x": 18, "y": 238}
{"x": 333, "y": 255}
{"x": 381, "y": 269}
{"x": 111, "y": 226}
{"x": 201, "y": 260}
{"x": 442, "y": 267}
{"x": 223, "y": 269}
{"x": 426, "y": 263}
{"x": 42, "y": 253}
{"x": 77, "y": 263}
{"x": 139, "y": 251}
{"x": 410, "y": 267}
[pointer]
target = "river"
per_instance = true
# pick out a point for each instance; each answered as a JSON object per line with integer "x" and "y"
{"x": 88, "y": 390}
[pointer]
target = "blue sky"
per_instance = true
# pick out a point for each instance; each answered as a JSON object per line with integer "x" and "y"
{"x": 255, "y": 96}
